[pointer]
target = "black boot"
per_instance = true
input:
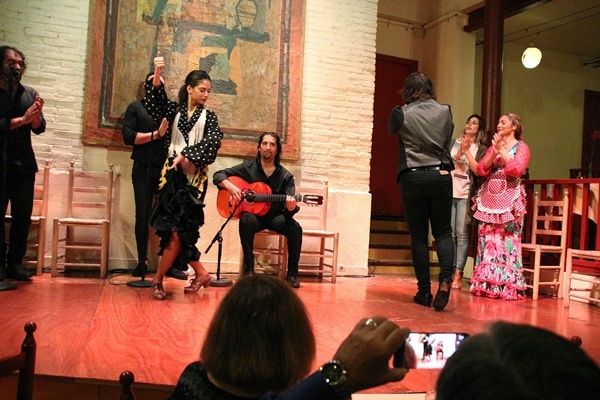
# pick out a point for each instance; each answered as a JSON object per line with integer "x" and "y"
{"x": 18, "y": 273}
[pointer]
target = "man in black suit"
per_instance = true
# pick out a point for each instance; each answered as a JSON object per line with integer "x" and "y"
{"x": 21, "y": 113}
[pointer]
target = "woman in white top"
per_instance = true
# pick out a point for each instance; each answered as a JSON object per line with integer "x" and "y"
{"x": 193, "y": 142}
{"x": 464, "y": 186}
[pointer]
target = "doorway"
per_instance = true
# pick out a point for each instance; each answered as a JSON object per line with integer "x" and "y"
{"x": 591, "y": 125}
{"x": 390, "y": 73}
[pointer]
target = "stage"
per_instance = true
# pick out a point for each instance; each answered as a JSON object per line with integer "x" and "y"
{"x": 91, "y": 329}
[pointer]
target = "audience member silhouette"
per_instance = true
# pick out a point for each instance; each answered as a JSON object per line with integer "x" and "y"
{"x": 512, "y": 361}
{"x": 260, "y": 344}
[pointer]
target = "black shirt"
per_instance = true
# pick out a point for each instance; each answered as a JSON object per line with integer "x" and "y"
{"x": 20, "y": 155}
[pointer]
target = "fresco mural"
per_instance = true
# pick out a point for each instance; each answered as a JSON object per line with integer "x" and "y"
{"x": 251, "y": 49}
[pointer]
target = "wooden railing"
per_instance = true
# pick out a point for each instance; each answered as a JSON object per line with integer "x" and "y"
{"x": 583, "y": 231}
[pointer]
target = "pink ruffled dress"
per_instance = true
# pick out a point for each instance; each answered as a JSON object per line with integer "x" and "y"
{"x": 499, "y": 206}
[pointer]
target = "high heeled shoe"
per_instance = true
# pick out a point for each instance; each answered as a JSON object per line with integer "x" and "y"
{"x": 457, "y": 279}
{"x": 195, "y": 284}
{"x": 158, "y": 291}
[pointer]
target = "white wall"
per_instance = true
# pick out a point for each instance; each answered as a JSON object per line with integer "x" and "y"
{"x": 337, "y": 117}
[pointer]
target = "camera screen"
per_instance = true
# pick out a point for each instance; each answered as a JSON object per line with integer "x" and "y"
{"x": 433, "y": 349}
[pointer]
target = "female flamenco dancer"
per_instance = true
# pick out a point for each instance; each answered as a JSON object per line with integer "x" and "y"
{"x": 499, "y": 207}
{"x": 195, "y": 137}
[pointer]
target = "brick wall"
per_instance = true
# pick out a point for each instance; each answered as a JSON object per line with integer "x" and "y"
{"x": 337, "y": 105}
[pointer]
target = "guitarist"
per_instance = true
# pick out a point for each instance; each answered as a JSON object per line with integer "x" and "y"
{"x": 266, "y": 168}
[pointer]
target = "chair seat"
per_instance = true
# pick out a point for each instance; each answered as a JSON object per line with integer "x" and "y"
{"x": 82, "y": 221}
{"x": 316, "y": 232}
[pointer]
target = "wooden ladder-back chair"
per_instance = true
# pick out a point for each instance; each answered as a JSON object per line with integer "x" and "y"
{"x": 319, "y": 254}
{"x": 548, "y": 245}
{"x": 586, "y": 273}
{"x": 36, "y": 241}
{"x": 89, "y": 206}
{"x": 24, "y": 362}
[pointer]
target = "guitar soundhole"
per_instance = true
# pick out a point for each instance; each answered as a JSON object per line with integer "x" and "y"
{"x": 248, "y": 195}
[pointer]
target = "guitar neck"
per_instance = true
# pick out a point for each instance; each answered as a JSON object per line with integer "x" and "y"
{"x": 270, "y": 198}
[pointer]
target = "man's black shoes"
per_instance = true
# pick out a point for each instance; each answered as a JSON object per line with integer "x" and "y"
{"x": 18, "y": 273}
{"x": 423, "y": 299}
{"x": 177, "y": 274}
{"x": 442, "y": 296}
{"x": 293, "y": 281}
{"x": 248, "y": 272}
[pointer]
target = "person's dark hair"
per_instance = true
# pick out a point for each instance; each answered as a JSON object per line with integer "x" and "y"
{"x": 516, "y": 121}
{"x": 4, "y": 49}
{"x": 192, "y": 79}
{"x": 277, "y": 140}
{"x": 417, "y": 87}
{"x": 482, "y": 137}
{"x": 512, "y": 361}
{"x": 260, "y": 338}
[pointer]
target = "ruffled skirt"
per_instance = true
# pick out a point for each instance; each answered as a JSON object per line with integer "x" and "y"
{"x": 498, "y": 271}
{"x": 178, "y": 208}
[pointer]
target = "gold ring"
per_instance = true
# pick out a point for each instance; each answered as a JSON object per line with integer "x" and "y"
{"x": 371, "y": 322}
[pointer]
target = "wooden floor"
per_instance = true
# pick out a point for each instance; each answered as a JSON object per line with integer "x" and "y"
{"x": 93, "y": 329}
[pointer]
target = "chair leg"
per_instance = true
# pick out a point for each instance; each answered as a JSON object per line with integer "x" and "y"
{"x": 567, "y": 280}
{"x": 536, "y": 273}
{"x": 321, "y": 266}
{"x": 41, "y": 247}
{"x": 561, "y": 276}
{"x": 334, "y": 262}
{"x": 54, "y": 263}
{"x": 105, "y": 248}
{"x": 284, "y": 257}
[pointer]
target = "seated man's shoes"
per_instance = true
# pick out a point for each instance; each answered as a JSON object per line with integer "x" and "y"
{"x": 442, "y": 296}
{"x": 293, "y": 281}
{"x": 423, "y": 299}
{"x": 177, "y": 274}
{"x": 140, "y": 270}
{"x": 18, "y": 273}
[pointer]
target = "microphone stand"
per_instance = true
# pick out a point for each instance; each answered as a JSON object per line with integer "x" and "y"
{"x": 4, "y": 286}
{"x": 222, "y": 282}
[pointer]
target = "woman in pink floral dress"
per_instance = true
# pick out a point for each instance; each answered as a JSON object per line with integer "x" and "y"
{"x": 499, "y": 206}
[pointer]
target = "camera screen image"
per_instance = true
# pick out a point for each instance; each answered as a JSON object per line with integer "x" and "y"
{"x": 433, "y": 349}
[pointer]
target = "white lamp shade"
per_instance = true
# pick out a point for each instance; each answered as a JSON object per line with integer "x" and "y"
{"x": 531, "y": 57}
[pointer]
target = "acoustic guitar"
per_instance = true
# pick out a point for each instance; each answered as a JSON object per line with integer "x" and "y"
{"x": 257, "y": 199}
